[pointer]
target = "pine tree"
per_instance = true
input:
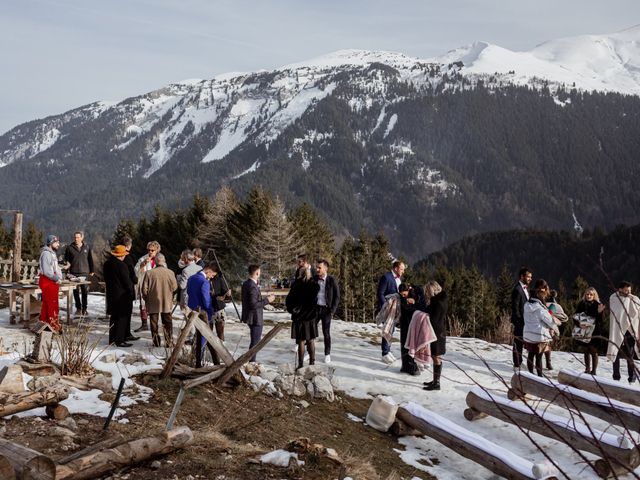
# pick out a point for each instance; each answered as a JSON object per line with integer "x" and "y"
{"x": 215, "y": 231}
{"x": 277, "y": 243}
{"x": 319, "y": 241}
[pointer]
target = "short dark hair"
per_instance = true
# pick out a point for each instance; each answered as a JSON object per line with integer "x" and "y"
{"x": 215, "y": 267}
{"x": 197, "y": 252}
{"x": 303, "y": 257}
{"x": 404, "y": 287}
{"x": 323, "y": 261}
{"x": 209, "y": 266}
{"x": 523, "y": 271}
{"x": 253, "y": 268}
{"x": 397, "y": 263}
{"x": 624, "y": 284}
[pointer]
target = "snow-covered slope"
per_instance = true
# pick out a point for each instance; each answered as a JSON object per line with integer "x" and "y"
{"x": 591, "y": 62}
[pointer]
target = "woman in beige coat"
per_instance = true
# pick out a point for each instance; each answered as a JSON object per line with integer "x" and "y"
{"x": 157, "y": 290}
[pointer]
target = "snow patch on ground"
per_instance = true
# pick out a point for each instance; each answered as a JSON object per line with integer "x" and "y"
{"x": 280, "y": 458}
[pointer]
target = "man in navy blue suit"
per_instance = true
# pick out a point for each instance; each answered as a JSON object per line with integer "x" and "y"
{"x": 387, "y": 285}
{"x": 199, "y": 298}
{"x": 252, "y": 305}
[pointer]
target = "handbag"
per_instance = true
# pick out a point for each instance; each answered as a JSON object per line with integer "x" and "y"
{"x": 583, "y": 331}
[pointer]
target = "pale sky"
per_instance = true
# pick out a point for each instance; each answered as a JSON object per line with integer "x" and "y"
{"x": 60, "y": 54}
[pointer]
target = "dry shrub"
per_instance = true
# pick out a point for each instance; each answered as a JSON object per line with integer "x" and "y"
{"x": 76, "y": 348}
{"x": 502, "y": 333}
{"x": 356, "y": 467}
{"x": 457, "y": 327}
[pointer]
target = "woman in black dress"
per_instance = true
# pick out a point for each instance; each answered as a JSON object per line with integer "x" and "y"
{"x": 436, "y": 300}
{"x": 408, "y": 299}
{"x": 302, "y": 303}
{"x": 591, "y": 306}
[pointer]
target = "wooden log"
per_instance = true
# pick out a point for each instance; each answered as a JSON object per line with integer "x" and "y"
{"x": 606, "y": 469}
{"x": 110, "y": 442}
{"x": 401, "y": 429}
{"x": 27, "y": 464}
{"x": 244, "y": 358}
{"x": 97, "y": 464}
{"x": 600, "y": 386}
{"x": 177, "y": 347}
{"x": 610, "y": 410}
{"x": 20, "y": 402}
{"x": 185, "y": 372}
{"x": 213, "y": 340}
{"x": 7, "y": 472}
{"x": 472, "y": 414}
{"x": 565, "y": 430}
{"x": 470, "y": 445}
{"x": 56, "y": 412}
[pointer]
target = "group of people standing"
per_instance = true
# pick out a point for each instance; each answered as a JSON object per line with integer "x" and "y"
{"x": 421, "y": 315}
{"x": 536, "y": 316}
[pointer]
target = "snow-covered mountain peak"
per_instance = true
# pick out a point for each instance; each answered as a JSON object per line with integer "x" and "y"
{"x": 356, "y": 58}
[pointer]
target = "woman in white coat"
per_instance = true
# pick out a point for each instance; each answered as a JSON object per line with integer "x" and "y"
{"x": 538, "y": 325}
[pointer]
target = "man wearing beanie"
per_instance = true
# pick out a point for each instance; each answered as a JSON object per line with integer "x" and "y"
{"x": 50, "y": 277}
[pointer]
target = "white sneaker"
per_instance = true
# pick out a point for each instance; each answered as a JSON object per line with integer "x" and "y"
{"x": 393, "y": 357}
{"x": 295, "y": 348}
{"x": 388, "y": 359}
{"x": 306, "y": 357}
{"x": 327, "y": 359}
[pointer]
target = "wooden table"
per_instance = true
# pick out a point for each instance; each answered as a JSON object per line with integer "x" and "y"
{"x": 25, "y": 291}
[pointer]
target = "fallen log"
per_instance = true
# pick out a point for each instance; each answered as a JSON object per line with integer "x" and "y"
{"x": 185, "y": 372}
{"x": 566, "y": 430}
{"x": 177, "y": 347}
{"x": 605, "y": 408}
{"x": 20, "y": 402}
{"x": 110, "y": 442}
{"x": 244, "y": 358}
{"x": 493, "y": 457}
{"x": 97, "y": 464}
{"x": 214, "y": 341}
{"x": 56, "y": 412}
{"x": 401, "y": 429}
{"x": 26, "y": 463}
{"x": 600, "y": 386}
{"x": 7, "y": 472}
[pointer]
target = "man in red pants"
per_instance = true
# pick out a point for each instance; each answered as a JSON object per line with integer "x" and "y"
{"x": 50, "y": 277}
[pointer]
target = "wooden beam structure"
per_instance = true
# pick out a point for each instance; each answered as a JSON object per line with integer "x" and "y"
{"x": 608, "y": 409}
{"x": 566, "y": 430}
{"x": 213, "y": 340}
{"x": 493, "y": 457}
{"x": 177, "y": 347}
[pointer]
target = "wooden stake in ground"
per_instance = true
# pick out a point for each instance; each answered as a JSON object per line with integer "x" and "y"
{"x": 27, "y": 464}
{"x": 97, "y": 464}
{"x": 17, "y": 248}
{"x": 20, "y": 402}
{"x": 177, "y": 347}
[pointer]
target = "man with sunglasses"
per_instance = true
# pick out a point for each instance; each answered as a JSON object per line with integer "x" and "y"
{"x": 145, "y": 263}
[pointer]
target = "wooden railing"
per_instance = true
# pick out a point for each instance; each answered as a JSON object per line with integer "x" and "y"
{"x": 28, "y": 269}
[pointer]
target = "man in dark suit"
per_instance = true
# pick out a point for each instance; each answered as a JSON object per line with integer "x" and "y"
{"x": 252, "y": 306}
{"x": 328, "y": 300}
{"x": 519, "y": 296}
{"x": 387, "y": 285}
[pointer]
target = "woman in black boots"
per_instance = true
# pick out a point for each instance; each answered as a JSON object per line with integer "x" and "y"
{"x": 590, "y": 305}
{"x": 436, "y": 300}
{"x": 301, "y": 304}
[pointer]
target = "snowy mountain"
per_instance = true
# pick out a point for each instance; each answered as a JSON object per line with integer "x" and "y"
{"x": 339, "y": 130}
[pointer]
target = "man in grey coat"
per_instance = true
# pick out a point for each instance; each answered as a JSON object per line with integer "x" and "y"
{"x": 157, "y": 290}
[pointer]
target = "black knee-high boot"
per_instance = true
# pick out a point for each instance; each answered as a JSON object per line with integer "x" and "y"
{"x": 435, "y": 383}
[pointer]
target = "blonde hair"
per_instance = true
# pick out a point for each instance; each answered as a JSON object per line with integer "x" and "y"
{"x": 596, "y": 297}
{"x": 432, "y": 288}
{"x": 154, "y": 244}
{"x": 303, "y": 274}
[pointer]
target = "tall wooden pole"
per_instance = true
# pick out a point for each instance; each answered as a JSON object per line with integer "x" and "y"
{"x": 17, "y": 247}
